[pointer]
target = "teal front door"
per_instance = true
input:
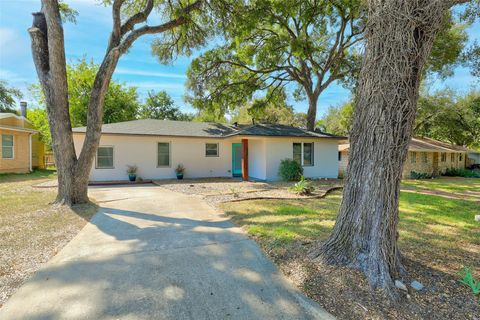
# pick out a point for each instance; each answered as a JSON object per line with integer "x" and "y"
{"x": 237, "y": 159}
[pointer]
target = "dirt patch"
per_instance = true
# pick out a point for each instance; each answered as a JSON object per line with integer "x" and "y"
{"x": 32, "y": 230}
{"x": 220, "y": 190}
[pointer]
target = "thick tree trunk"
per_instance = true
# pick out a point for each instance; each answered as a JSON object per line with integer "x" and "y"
{"x": 399, "y": 37}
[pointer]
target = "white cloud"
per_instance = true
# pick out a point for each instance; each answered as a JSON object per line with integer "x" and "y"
{"x": 156, "y": 85}
{"x": 127, "y": 71}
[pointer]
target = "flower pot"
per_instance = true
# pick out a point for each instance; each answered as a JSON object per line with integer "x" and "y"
{"x": 132, "y": 177}
{"x": 179, "y": 176}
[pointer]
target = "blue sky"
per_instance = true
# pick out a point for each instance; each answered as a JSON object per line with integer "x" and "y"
{"x": 137, "y": 68}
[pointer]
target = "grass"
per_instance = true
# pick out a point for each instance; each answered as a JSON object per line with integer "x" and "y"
{"x": 446, "y": 184}
{"x": 430, "y": 226}
{"x": 31, "y": 229}
{"x": 438, "y": 236}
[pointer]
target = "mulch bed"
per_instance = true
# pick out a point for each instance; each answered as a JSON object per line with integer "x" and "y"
{"x": 347, "y": 295}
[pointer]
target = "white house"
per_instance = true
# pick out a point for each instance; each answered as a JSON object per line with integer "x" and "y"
{"x": 156, "y": 147}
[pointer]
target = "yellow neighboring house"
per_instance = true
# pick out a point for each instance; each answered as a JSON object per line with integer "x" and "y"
{"x": 21, "y": 149}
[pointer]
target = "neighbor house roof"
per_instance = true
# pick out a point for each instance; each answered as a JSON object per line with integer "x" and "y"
{"x": 4, "y": 115}
{"x": 423, "y": 144}
{"x": 204, "y": 129}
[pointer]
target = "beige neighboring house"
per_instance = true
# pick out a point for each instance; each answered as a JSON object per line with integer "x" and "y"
{"x": 21, "y": 150}
{"x": 425, "y": 155}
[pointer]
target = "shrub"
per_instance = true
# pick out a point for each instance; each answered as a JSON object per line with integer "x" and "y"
{"x": 452, "y": 172}
{"x": 290, "y": 170}
{"x": 302, "y": 187}
{"x": 420, "y": 175}
{"x": 132, "y": 169}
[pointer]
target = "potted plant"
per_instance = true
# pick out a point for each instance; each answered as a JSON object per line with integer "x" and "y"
{"x": 132, "y": 172}
{"x": 179, "y": 171}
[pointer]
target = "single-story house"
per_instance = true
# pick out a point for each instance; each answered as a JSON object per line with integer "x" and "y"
{"x": 425, "y": 155}
{"x": 156, "y": 147}
{"x": 21, "y": 149}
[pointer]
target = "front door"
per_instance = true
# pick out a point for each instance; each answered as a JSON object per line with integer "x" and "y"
{"x": 237, "y": 159}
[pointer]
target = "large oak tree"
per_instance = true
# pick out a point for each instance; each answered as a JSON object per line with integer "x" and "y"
{"x": 399, "y": 37}
{"x": 178, "y": 33}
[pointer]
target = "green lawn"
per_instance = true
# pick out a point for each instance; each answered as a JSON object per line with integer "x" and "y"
{"x": 438, "y": 230}
{"x": 31, "y": 229}
{"x": 446, "y": 184}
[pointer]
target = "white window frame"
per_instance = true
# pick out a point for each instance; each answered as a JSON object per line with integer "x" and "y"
{"x": 169, "y": 154}
{"x": 13, "y": 146}
{"x": 218, "y": 150}
{"x": 302, "y": 154}
{"x": 413, "y": 157}
{"x": 113, "y": 158}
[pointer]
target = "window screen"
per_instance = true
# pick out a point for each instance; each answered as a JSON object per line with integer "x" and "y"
{"x": 105, "y": 157}
{"x": 211, "y": 149}
{"x": 7, "y": 146}
{"x": 297, "y": 152}
{"x": 308, "y": 154}
{"x": 163, "y": 154}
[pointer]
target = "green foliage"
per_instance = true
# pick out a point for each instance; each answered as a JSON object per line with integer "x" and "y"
{"x": 8, "y": 96}
{"x": 180, "y": 169}
{"x": 269, "y": 111}
{"x": 38, "y": 118}
{"x": 67, "y": 13}
{"x": 303, "y": 187}
{"x": 447, "y": 47}
{"x": 448, "y": 116}
{"x": 420, "y": 175}
{"x": 453, "y": 172}
{"x": 290, "y": 170}
{"x": 338, "y": 120}
{"x": 132, "y": 169}
{"x": 468, "y": 280}
{"x": 161, "y": 106}
{"x": 269, "y": 44}
{"x": 121, "y": 101}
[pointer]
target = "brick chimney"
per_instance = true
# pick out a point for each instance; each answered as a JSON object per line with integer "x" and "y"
{"x": 23, "y": 108}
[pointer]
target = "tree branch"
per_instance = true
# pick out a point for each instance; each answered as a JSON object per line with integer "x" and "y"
{"x": 137, "y": 18}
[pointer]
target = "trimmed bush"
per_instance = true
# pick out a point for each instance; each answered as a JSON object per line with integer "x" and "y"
{"x": 420, "y": 175}
{"x": 452, "y": 172}
{"x": 290, "y": 170}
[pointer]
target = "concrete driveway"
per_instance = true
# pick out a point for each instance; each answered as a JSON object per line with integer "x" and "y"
{"x": 151, "y": 253}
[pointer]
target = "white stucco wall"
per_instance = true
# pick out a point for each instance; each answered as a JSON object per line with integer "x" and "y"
{"x": 257, "y": 163}
{"x": 142, "y": 152}
{"x": 325, "y": 157}
{"x": 265, "y": 155}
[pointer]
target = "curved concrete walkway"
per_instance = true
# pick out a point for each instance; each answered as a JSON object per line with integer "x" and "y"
{"x": 150, "y": 253}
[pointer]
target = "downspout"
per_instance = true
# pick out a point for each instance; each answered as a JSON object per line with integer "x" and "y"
{"x": 30, "y": 151}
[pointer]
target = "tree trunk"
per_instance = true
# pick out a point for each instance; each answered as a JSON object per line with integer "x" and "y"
{"x": 312, "y": 110}
{"x": 399, "y": 37}
{"x": 48, "y": 51}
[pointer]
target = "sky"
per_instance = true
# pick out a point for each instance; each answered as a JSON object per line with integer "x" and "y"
{"x": 139, "y": 68}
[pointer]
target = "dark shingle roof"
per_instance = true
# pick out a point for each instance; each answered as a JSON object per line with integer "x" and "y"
{"x": 204, "y": 129}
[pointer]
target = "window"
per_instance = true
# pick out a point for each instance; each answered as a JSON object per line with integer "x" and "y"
{"x": 413, "y": 157}
{"x": 297, "y": 152}
{"x": 460, "y": 157}
{"x": 303, "y": 153}
{"x": 105, "y": 158}
{"x": 163, "y": 158}
{"x": 452, "y": 157}
{"x": 443, "y": 157}
{"x": 7, "y": 146}
{"x": 425, "y": 157}
{"x": 339, "y": 156}
{"x": 308, "y": 154}
{"x": 211, "y": 149}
